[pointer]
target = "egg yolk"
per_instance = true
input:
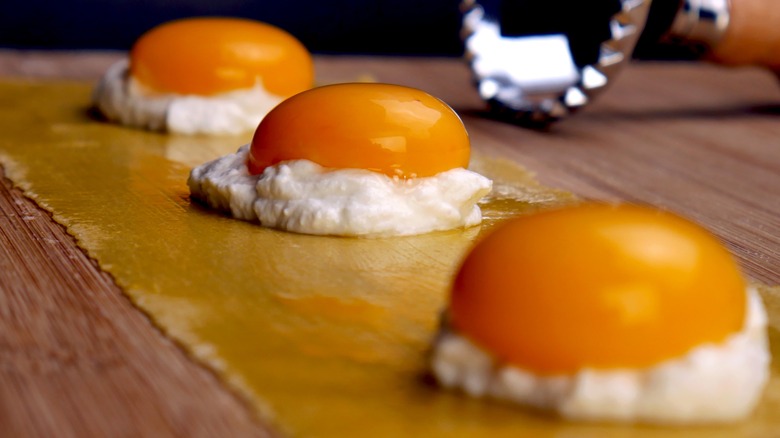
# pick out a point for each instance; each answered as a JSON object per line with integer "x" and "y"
{"x": 391, "y": 129}
{"x": 597, "y": 286}
{"x": 206, "y": 56}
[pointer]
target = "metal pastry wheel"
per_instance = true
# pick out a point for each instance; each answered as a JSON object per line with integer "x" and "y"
{"x": 537, "y": 61}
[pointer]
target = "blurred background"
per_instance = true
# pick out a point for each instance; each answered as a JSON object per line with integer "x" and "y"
{"x": 384, "y": 27}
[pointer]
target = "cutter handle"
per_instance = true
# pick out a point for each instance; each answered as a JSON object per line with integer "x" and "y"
{"x": 753, "y": 35}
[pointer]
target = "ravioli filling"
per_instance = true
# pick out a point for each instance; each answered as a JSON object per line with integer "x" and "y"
{"x": 304, "y": 197}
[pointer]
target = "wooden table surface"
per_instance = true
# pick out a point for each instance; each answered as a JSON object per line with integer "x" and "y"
{"x": 78, "y": 359}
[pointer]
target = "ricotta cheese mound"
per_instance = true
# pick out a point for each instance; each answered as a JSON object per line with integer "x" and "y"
{"x": 122, "y": 99}
{"x": 711, "y": 384}
{"x": 304, "y": 197}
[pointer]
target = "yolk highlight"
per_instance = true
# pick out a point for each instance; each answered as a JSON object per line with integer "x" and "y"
{"x": 213, "y": 55}
{"x": 391, "y": 129}
{"x": 597, "y": 286}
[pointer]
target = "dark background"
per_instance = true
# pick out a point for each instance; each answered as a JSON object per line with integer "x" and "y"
{"x": 422, "y": 27}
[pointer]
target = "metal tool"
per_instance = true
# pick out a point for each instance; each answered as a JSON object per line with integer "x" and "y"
{"x": 537, "y": 61}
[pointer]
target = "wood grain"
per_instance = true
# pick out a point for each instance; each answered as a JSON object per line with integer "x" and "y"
{"x": 77, "y": 359}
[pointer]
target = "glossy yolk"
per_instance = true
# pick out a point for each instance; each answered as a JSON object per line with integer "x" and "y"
{"x": 597, "y": 286}
{"x": 213, "y": 55}
{"x": 391, "y": 129}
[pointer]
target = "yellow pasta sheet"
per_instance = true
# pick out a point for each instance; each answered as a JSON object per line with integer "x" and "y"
{"x": 325, "y": 336}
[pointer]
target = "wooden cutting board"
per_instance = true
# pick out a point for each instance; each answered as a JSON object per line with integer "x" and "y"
{"x": 697, "y": 140}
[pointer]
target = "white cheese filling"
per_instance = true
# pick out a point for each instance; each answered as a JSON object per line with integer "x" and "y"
{"x": 122, "y": 99}
{"x": 303, "y": 197}
{"x": 710, "y": 384}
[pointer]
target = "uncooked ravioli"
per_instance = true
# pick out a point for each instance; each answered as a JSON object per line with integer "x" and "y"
{"x": 607, "y": 312}
{"x": 353, "y": 159}
{"x": 205, "y": 75}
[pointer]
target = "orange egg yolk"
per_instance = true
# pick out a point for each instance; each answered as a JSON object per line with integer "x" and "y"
{"x": 391, "y": 129}
{"x": 597, "y": 286}
{"x": 207, "y": 56}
